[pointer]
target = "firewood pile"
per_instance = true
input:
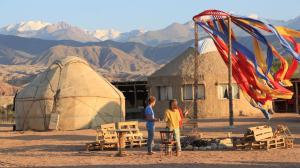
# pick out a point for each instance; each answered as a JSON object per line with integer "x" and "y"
{"x": 255, "y": 138}
{"x": 206, "y": 143}
{"x": 263, "y": 137}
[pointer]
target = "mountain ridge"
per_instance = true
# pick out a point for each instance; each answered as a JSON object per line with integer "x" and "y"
{"x": 174, "y": 32}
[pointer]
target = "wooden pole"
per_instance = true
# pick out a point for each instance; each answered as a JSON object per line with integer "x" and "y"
{"x": 297, "y": 97}
{"x": 196, "y": 76}
{"x": 231, "y": 124}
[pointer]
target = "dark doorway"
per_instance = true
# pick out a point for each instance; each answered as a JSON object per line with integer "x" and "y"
{"x": 136, "y": 94}
{"x": 288, "y": 106}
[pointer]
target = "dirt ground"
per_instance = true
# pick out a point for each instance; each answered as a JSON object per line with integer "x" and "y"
{"x": 67, "y": 149}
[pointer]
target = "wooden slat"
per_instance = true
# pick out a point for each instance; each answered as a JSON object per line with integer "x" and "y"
{"x": 134, "y": 137}
{"x": 261, "y": 132}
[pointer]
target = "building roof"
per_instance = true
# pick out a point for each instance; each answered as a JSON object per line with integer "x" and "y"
{"x": 183, "y": 65}
{"x": 206, "y": 45}
{"x": 72, "y": 76}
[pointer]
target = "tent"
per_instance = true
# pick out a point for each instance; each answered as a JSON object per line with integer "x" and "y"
{"x": 69, "y": 95}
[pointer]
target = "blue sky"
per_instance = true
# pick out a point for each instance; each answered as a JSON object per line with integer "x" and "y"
{"x": 126, "y": 15}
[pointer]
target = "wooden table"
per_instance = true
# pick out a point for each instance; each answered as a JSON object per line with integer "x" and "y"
{"x": 121, "y": 141}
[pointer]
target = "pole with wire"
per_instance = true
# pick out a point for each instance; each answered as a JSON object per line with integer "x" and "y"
{"x": 196, "y": 76}
{"x": 231, "y": 120}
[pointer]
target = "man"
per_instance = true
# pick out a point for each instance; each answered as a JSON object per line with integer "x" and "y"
{"x": 150, "y": 118}
{"x": 173, "y": 118}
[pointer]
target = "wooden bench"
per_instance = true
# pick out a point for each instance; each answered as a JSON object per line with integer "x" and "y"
{"x": 106, "y": 137}
{"x": 134, "y": 137}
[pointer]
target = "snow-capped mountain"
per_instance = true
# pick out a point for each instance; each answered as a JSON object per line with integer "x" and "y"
{"x": 25, "y": 26}
{"x": 175, "y": 32}
{"x": 44, "y": 30}
{"x": 105, "y": 34}
{"x": 112, "y": 34}
{"x": 126, "y": 36}
{"x": 65, "y": 31}
{"x": 24, "y": 29}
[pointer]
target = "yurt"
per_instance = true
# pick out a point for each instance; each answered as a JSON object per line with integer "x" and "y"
{"x": 69, "y": 95}
{"x": 176, "y": 81}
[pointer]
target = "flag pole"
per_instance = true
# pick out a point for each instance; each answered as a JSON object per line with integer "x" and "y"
{"x": 231, "y": 120}
{"x": 196, "y": 76}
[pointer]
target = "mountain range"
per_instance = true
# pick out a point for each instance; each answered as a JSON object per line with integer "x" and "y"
{"x": 121, "y": 61}
{"x": 27, "y": 48}
{"x": 175, "y": 32}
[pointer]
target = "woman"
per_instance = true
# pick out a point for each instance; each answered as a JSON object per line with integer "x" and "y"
{"x": 150, "y": 119}
{"x": 173, "y": 118}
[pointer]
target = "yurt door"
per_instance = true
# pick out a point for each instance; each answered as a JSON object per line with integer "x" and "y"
{"x": 54, "y": 117}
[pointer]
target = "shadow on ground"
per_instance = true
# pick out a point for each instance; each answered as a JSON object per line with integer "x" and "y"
{"x": 198, "y": 165}
{"x": 50, "y": 137}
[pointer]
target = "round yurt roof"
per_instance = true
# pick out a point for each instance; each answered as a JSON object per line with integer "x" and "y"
{"x": 183, "y": 64}
{"x": 206, "y": 45}
{"x": 72, "y": 76}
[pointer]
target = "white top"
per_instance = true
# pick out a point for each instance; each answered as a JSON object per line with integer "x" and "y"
{"x": 206, "y": 45}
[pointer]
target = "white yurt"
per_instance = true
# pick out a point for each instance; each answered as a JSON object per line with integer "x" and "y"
{"x": 69, "y": 95}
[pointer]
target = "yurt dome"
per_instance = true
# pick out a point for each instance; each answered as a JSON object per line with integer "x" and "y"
{"x": 69, "y": 95}
{"x": 183, "y": 64}
{"x": 206, "y": 45}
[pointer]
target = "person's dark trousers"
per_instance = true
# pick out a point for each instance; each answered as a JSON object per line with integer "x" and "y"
{"x": 150, "y": 130}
